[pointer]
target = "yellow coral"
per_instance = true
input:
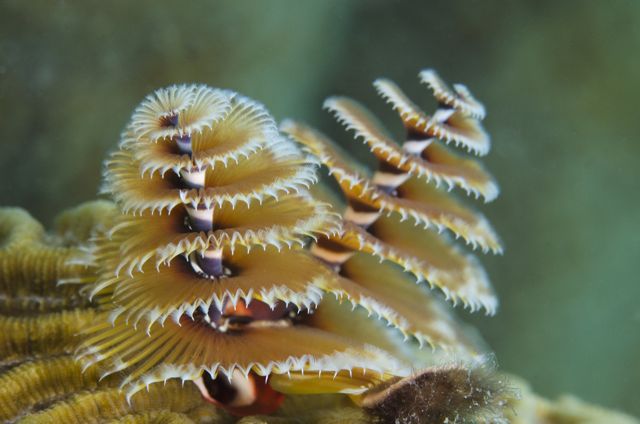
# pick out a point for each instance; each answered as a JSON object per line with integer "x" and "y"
{"x": 110, "y": 404}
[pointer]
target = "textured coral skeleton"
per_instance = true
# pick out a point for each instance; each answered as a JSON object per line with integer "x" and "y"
{"x": 219, "y": 266}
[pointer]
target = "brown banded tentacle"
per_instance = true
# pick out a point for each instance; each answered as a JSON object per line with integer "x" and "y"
{"x": 197, "y": 204}
{"x": 452, "y": 170}
{"x": 208, "y": 264}
{"x": 356, "y": 117}
{"x": 153, "y": 297}
{"x": 402, "y": 187}
{"x": 178, "y": 110}
{"x": 455, "y": 120}
{"x": 260, "y": 347}
{"x": 331, "y": 253}
{"x": 460, "y": 98}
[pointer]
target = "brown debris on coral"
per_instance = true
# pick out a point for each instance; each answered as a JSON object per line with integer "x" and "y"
{"x": 455, "y": 394}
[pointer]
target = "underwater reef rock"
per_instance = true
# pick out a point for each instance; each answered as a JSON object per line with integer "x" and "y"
{"x": 218, "y": 285}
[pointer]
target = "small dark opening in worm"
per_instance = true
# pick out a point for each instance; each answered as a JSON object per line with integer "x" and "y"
{"x": 219, "y": 388}
{"x": 169, "y": 120}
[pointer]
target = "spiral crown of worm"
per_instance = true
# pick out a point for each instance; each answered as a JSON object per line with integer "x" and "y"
{"x": 222, "y": 260}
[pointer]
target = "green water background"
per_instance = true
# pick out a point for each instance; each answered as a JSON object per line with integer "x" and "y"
{"x": 560, "y": 79}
